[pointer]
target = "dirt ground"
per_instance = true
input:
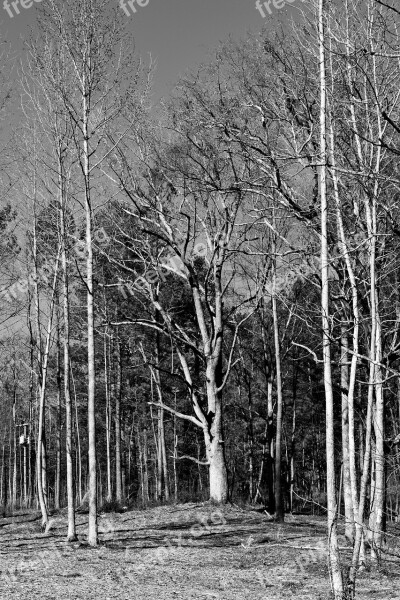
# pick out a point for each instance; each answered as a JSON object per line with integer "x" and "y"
{"x": 190, "y": 551}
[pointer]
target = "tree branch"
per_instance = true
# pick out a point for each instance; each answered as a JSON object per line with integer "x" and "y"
{"x": 196, "y": 460}
{"x": 178, "y": 414}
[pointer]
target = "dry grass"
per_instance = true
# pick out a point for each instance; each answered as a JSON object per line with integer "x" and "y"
{"x": 185, "y": 551}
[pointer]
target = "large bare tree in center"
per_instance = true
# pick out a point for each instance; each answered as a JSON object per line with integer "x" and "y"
{"x": 190, "y": 218}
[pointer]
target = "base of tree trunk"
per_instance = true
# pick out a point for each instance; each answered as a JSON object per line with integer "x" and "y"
{"x": 218, "y": 477}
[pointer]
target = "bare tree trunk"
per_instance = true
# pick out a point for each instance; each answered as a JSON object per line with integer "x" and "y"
{"x": 358, "y": 549}
{"x": 378, "y": 498}
{"x": 162, "y": 453}
{"x": 157, "y": 441}
{"x": 78, "y": 437}
{"x": 41, "y": 481}
{"x": 25, "y": 459}
{"x": 347, "y": 383}
{"x": 250, "y": 435}
{"x": 146, "y": 495}
{"x": 92, "y": 532}
{"x": 261, "y": 471}
{"x": 348, "y": 502}
{"x": 14, "y": 476}
{"x": 334, "y": 557}
{"x": 3, "y": 479}
{"x": 118, "y": 479}
{"x": 377, "y": 520}
{"x": 57, "y": 490}
{"x": 200, "y": 479}
{"x": 45, "y": 486}
{"x": 71, "y": 535}
{"x": 158, "y": 461}
{"x": 293, "y": 443}
{"x": 10, "y": 487}
{"x": 141, "y": 470}
{"x": 175, "y": 457}
{"x": 268, "y": 454}
{"x": 39, "y": 452}
{"x": 279, "y": 507}
{"x": 214, "y": 441}
{"x": 31, "y": 400}
{"x": 108, "y": 417}
{"x": 41, "y": 469}
{"x": 131, "y": 445}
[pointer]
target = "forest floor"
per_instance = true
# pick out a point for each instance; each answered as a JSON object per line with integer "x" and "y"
{"x": 188, "y": 551}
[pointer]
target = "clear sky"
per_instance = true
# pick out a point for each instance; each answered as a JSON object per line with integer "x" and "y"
{"x": 178, "y": 33}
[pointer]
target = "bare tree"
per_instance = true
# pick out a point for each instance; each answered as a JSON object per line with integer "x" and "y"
{"x": 192, "y": 230}
{"x": 334, "y": 557}
{"x": 86, "y": 42}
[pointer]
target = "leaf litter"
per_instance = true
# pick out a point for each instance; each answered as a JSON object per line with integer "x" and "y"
{"x": 188, "y": 551}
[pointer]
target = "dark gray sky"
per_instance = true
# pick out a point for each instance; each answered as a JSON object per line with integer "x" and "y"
{"x": 178, "y": 33}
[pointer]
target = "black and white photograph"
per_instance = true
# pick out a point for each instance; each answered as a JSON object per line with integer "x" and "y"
{"x": 199, "y": 299}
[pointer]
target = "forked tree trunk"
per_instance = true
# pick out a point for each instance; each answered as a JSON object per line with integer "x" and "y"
{"x": 348, "y": 381}
{"x": 213, "y": 436}
{"x": 210, "y": 422}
